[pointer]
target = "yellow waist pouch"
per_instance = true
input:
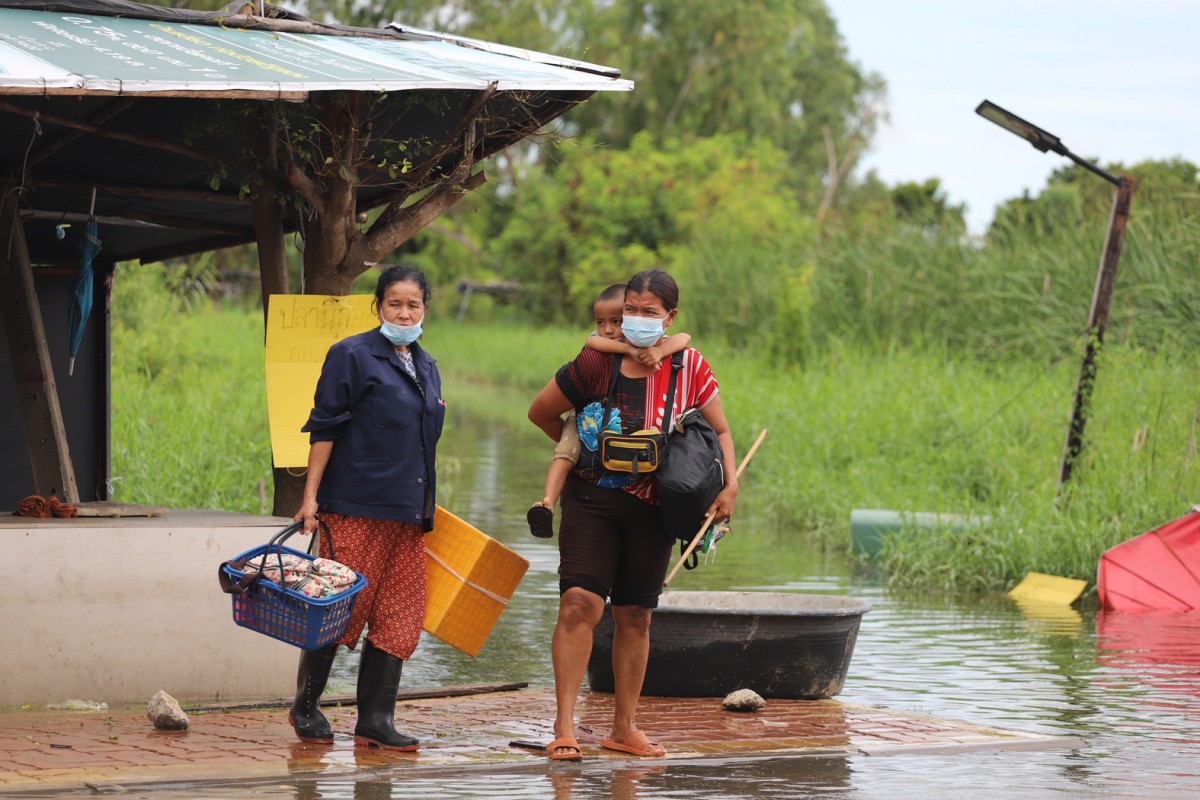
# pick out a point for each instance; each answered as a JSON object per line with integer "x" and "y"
{"x": 635, "y": 454}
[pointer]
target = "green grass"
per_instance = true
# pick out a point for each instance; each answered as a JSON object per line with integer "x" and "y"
{"x": 189, "y": 402}
{"x": 923, "y": 431}
{"x": 906, "y": 374}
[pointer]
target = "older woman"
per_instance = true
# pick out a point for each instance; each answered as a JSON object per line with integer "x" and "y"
{"x": 376, "y": 419}
{"x": 611, "y": 541}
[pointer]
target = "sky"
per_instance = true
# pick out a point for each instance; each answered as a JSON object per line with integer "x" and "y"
{"x": 1115, "y": 80}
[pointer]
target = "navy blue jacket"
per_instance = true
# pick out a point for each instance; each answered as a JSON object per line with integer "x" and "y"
{"x": 384, "y": 427}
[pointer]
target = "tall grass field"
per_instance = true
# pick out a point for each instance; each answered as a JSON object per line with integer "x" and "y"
{"x": 855, "y": 426}
{"x": 919, "y": 430}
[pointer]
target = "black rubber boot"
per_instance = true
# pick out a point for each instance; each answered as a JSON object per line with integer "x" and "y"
{"x": 305, "y": 714}
{"x": 378, "y": 682}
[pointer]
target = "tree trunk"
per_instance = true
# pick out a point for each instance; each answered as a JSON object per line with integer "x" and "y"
{"x": 260, "y": 137}
{"x": 289, "y": 492}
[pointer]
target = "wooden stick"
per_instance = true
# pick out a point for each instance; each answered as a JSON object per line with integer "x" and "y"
{"x": 708, "y": 520}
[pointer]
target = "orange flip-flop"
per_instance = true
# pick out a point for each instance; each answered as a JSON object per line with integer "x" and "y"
{"x": 568, "y": 743}
{"x": 638, "y": 744}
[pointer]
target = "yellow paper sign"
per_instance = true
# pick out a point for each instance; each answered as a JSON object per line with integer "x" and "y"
{"x": 300, "y": 330}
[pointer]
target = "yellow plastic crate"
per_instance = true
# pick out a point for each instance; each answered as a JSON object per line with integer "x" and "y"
{"x": 470, "y": 578}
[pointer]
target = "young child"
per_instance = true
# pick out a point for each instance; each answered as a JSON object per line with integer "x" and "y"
{"x": 608, "y": 309}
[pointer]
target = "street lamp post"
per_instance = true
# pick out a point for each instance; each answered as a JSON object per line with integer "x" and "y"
{"x": 1106, "y": 278}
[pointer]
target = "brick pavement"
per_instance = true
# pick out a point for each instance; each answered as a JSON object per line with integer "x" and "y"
{"x": 44, "y": 750}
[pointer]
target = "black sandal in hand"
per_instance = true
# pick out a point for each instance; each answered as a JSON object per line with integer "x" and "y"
{"x": 541, "y": 522}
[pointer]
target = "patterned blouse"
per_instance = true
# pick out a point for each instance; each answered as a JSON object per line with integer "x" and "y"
{"x": 639, "y": 402}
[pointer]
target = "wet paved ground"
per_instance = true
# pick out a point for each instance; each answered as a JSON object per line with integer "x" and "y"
{"x": 45, "y": 750}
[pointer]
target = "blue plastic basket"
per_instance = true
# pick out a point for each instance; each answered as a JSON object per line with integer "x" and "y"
{"x": 285, "y": 614}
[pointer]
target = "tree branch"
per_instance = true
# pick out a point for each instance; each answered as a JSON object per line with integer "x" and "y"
{"x": 303, "y": 185}
{"x": 395, "y": 206}
{"x": 694, "y": 70}
{"x": 831, "y": 169}
{"x": 460, "y": 237}
{"x": 383, "y": 240}
{"x": 837, "y": 171}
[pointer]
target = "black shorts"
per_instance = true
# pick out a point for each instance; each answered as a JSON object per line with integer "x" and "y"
{"x": 612, "y": 544}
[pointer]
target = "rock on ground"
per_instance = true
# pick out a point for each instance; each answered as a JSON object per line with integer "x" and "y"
{"x": 743, "y": 700}
{"x": 164, "y": 711}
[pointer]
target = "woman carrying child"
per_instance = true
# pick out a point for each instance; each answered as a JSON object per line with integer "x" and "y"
{"x": 608, "y": 310}
{"x": 612, "y": 544}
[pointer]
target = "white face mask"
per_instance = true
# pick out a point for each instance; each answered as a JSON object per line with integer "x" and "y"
{"x": 400, "y": 334}
{"x": 641, "y": 331}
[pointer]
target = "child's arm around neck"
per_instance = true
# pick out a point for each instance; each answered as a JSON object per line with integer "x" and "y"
{"x": 650, "y": 356}
{"x": 606, "y": 345}
{"x": 653, "y": 356}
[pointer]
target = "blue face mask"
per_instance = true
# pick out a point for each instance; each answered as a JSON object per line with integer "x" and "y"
{"x": 642, "y": 331}
{"x": 400, "y": 334}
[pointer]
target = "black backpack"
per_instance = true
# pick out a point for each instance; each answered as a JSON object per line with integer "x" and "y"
{"x": 692, "y": 472}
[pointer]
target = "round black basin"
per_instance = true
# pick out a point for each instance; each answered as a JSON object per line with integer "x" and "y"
{"x": 707, "y": 644}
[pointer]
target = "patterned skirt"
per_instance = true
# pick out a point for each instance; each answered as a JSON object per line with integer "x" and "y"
{"x": 391, "y": 555}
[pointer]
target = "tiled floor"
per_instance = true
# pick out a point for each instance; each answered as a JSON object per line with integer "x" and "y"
{"x": 40, "y": 749}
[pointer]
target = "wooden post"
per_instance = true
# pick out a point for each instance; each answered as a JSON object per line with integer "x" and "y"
{"x": 260, "y": 139}
{"x": 45, "y": 434}
{"x": 1106, "y": 279}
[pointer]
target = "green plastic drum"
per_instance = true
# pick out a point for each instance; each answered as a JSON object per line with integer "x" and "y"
{"x": 869, "y": 526}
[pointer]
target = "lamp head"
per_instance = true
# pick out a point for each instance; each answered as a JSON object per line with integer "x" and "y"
{"x": 1040, "y": 139}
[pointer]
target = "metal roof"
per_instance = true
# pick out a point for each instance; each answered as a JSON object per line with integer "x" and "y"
{"x": 119, "y": 98}
{"x": 70, "y": 53}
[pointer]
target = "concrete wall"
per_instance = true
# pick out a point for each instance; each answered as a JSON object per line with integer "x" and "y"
{"x": 112, "y": 610}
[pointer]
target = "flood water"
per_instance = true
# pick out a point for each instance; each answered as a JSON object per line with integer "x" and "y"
{"x": 1126, "y": 686}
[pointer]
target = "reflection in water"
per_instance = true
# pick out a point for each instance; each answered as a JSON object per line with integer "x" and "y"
{"x": 598, "y": 779}
{"x": 308, "y": 756}
{"x": 624, "y": 783}
{"x": 1051, "y": 618}
{"x": 1159, "y": 650}
{"x": 823, "y": 722}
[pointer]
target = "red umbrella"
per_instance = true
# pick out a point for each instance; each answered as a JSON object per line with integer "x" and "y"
{"x": 1156, "y": 570}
